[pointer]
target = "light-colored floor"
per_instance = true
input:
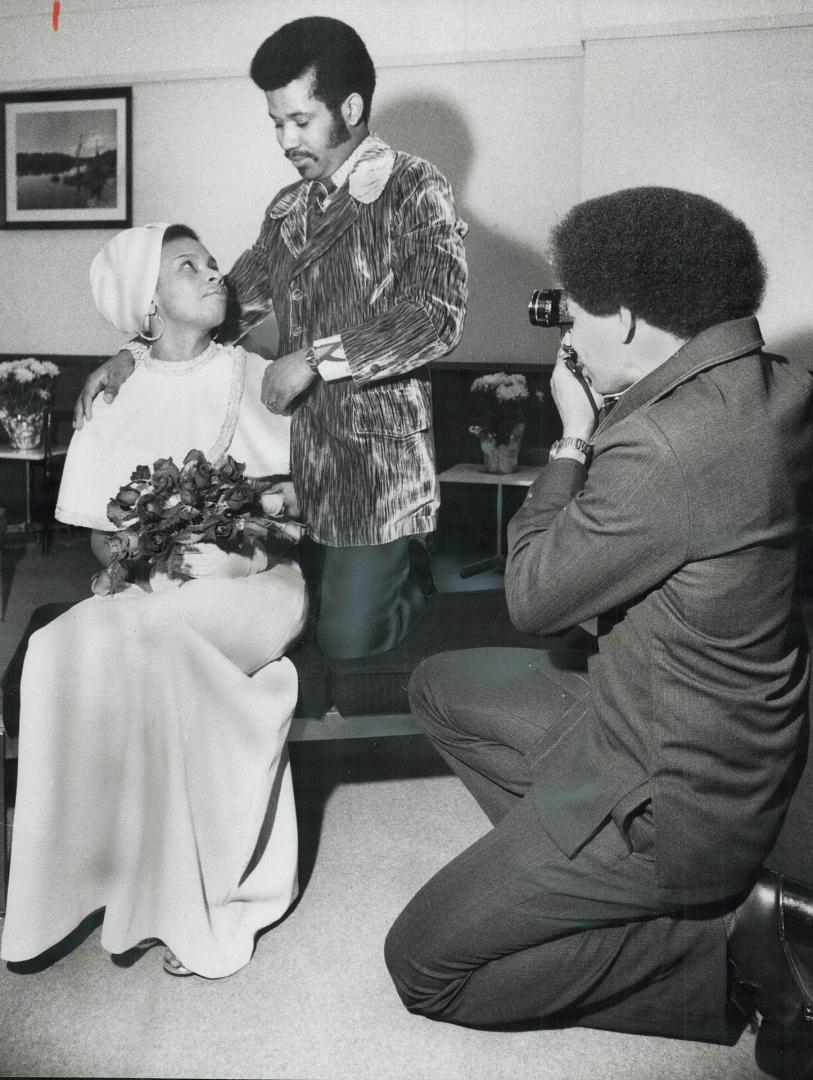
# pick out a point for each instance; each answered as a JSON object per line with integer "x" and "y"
{"x": 377, "y": 818}
{"x": 316, "y": 1001}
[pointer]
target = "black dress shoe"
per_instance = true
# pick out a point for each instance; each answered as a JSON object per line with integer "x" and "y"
{"x": 770, "y": 949}
{"x": 785, "y": 1051}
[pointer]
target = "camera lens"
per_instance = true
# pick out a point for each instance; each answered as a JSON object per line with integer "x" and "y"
{"x": 548, "y": 307}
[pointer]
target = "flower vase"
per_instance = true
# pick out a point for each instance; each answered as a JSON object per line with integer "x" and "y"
{"x": 24, "y": 429}
{"x": 502, "y": 457}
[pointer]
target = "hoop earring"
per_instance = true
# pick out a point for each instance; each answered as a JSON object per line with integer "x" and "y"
{"x": 154, "y": 314}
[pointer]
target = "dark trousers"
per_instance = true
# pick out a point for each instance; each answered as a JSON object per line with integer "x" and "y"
{"x": 366, "y": 599}
{"x": 512, "y": 931}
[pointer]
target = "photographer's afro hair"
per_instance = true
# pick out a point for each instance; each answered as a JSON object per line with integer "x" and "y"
{"x": 678, "y": 260}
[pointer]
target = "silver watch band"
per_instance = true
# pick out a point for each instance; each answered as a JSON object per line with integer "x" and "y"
{"x": 571, "y": 442}
{"x": 312, "y": 360}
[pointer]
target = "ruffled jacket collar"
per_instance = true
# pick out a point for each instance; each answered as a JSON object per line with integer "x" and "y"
{"x": 366, "y": 172}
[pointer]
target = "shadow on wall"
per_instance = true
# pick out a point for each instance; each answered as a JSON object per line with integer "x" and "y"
{"x": 798, "y": 344}
{"x": 502, "y": 272}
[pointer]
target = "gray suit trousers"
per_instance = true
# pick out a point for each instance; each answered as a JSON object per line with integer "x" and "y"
{"x": 514, "y": 932}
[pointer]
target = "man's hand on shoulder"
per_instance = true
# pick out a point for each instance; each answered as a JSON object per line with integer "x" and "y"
{"x": 284, "y": 380}
{"x": 108, "y": 377}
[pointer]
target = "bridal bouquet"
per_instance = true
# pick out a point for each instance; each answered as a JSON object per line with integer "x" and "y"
{"x": 165, "y": 509}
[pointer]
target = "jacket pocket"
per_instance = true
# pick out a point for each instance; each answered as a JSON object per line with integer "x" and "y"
{"x": 393, "y": 410}
{"x": 634, "y": 817}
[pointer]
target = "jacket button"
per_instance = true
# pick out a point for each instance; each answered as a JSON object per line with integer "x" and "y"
{"x": 374, "y": 368}
{"x": 296, "y": 331}
{"x": 296, "y": 294}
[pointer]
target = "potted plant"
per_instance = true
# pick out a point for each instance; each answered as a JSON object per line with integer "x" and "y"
{"x": 499, "y": 409}
{"x": 25, "y": 391}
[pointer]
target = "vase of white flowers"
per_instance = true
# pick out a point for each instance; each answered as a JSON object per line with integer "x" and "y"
{"x": 25, "y": 391}
{"x": 500, "y": 408}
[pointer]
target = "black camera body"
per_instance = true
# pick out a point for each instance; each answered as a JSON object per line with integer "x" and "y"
{"x": 548, "y": 307}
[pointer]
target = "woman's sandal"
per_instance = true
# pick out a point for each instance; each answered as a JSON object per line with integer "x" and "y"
{"x": 173, "y": 966}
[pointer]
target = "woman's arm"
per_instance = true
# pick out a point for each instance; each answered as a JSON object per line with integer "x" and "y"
{"x": 135, "y": 571}
{"x": 98, "y": 545}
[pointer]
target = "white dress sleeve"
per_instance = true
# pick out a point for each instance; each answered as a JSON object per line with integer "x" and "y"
{"x": 92, "y": 474}
{"x": 262, "y": 439}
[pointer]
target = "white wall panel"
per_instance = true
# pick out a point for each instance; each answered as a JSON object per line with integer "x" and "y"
{"x": 727, "y": 115}
{"x": 523, "y": 123}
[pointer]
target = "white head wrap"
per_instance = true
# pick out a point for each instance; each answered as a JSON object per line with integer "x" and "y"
{"x": 124, "y": 274}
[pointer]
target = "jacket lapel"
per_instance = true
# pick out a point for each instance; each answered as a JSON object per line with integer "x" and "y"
{"x": 291, "y": 209}
{"x": 370, "y": 169}
{"x": 340, "y": 214}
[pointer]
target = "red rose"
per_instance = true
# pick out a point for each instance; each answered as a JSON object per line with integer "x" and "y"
{"x": 150, "y": 508}
{"x": 220, "y": 529}
{"x": 165, "y": 476}
{"x": 155, "y": 541}
{"x": 100, "y": 584}
{"x": 230, "y": 470}
{"x": 119, "y": 514}
{"x": 240, "y": 497}
{"x": 123, "y": 544}
{"x": 196, "y": 472}
{"x": 128, "y": 495}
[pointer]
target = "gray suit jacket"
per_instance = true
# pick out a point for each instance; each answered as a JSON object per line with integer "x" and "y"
{"x": 682, "y": 538}
{"x": 385, "y": 269}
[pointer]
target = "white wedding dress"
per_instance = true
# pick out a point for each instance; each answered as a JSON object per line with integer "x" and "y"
{"x": 153, "y": 774}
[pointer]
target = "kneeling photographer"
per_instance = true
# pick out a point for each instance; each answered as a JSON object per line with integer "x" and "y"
{"x": 635, "y": 803}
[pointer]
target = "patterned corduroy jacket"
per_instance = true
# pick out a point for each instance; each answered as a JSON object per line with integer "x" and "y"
{"x": 385, "y": 269}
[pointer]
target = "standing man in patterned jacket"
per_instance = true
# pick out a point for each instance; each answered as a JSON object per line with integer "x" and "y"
{"x": 361, "y": 262}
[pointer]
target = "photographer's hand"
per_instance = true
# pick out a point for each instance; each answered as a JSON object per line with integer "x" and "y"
{"x": 572, "y": 401}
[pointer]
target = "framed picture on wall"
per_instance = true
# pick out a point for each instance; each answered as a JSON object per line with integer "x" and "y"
{"x": 66, "y": 159}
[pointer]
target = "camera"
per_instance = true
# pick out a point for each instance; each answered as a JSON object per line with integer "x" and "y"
{"x": 548, "y": 307}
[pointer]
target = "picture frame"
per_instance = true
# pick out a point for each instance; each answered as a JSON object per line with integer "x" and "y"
{"x": 67, "y": 159}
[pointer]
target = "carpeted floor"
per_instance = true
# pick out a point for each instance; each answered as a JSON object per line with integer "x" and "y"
{"x": 377, "y": 818}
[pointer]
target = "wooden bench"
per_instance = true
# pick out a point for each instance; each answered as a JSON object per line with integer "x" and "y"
{"x": 338, "y": 699}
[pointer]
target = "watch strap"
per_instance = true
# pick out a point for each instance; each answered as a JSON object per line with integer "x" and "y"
{"x": 312, "y": 360}
{"x": 571, "y": 442}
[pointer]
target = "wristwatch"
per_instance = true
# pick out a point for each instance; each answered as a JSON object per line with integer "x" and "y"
{"x": 312, "y": 360}
{"x": 571, "y": 442}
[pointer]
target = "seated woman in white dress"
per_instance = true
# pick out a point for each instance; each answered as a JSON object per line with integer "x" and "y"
{"x": 153, "y": 774}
